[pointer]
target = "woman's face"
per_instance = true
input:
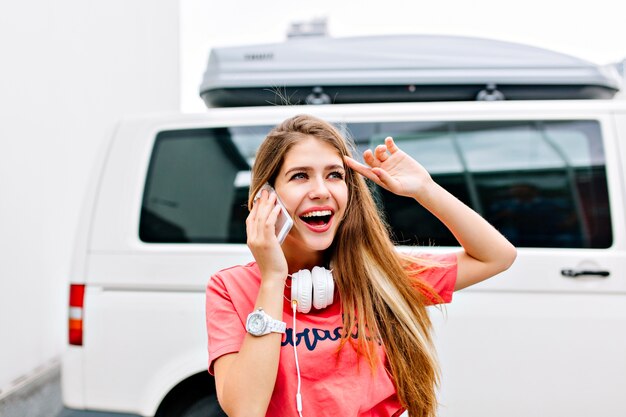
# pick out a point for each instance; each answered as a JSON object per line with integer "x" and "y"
{"x": 311, "y": 184}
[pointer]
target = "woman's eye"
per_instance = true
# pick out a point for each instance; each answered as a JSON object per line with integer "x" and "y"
{"x": 337, "y": 175}
{"x": 298, "y": 176}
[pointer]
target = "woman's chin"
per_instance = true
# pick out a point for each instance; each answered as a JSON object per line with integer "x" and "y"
{"x": 303, "y": 244}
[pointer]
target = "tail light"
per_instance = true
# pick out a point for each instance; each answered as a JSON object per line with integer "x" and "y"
{"x": 75, "y": 326}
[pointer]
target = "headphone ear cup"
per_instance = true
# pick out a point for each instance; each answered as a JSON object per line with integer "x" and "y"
{"x": 323, "y": 287}
{"x": 302, "y": 290}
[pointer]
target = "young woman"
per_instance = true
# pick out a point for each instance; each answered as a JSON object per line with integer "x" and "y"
{"x": 369, "y": 352}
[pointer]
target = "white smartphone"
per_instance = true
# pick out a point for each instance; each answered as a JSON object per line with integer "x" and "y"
{"x": 284, "y": 223}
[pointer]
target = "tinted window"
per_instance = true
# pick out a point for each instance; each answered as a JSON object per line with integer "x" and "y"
{"x": 541, "y": 183}
{"x": 197, "y": 185}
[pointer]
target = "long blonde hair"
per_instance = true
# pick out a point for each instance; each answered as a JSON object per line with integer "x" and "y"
{"x": 372, "y": 278}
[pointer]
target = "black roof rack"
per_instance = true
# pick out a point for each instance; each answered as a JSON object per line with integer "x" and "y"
{"x": 322, "y": 70}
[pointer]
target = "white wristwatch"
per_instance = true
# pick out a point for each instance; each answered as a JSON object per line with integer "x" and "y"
{"x": 259, "y": 323}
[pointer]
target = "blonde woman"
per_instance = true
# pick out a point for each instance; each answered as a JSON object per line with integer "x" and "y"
{"x": 369, "y": 352}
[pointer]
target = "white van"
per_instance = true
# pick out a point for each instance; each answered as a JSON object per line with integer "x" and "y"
{"x": 545, "y": 338}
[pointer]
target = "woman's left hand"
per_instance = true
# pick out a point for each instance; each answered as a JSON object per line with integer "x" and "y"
{"x": 393, "y": 170}
{"x": 485, "y": 251}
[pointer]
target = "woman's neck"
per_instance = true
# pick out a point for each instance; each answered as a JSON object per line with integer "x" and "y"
{"x": 298, "y": 260}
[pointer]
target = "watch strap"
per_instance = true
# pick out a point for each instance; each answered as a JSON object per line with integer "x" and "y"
{"x": 276, "y": 326}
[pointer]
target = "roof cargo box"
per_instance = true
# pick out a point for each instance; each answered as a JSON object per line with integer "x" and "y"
{"x": 396, "y": 69}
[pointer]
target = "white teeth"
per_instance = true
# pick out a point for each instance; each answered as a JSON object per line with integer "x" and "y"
{"x": 318, "y": 213}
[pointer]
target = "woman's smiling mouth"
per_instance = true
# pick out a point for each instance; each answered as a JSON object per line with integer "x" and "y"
{"x": 318, "y": 220}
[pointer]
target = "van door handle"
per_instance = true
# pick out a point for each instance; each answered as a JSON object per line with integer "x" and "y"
{"x": 572, "y": 273}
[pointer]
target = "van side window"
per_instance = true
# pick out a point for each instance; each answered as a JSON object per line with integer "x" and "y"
{"x": 197, "y": 185}
{"x": 541, "y": 183}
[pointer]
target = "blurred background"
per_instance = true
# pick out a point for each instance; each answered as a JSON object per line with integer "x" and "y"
{"x": 71, "y": 69}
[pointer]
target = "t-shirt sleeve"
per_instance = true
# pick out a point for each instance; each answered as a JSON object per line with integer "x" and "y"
{"x": 225, "y": 329}
{"x": 439, "y": 272}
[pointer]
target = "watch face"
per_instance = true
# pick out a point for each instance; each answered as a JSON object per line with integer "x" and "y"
{"x": 256, "y": 324}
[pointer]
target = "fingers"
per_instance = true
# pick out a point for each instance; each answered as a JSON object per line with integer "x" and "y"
{"x": 377, "y": 169}
{"x": 267, "y": 204}
{"x": 376, "y": 158}
{"x": 384, "y": 179}
{"x": 391, "y": 145}
{"x": 381, "y": 153}
{"x": 369, "y": 158}
{"x": 262, "y": 217}
{"x": 358, "y": 167}
{"x": 367, "y": 172}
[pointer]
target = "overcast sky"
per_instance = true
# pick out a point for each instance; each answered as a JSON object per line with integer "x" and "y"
{"x": 595, "y": 31}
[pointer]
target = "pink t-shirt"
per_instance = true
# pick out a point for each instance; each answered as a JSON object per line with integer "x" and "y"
{"x": 332, "y": 384}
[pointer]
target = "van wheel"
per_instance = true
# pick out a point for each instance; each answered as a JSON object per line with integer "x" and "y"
{"x": 204, "y": 407}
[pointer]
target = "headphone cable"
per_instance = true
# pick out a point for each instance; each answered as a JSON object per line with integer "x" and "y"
{"x": 294, "y": 304}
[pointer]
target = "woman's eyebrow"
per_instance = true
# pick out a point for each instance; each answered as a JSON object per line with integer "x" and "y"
{"x": 307, "y": 169}
{"x": 331, "y": 167}
{"x": 298, "y": 169}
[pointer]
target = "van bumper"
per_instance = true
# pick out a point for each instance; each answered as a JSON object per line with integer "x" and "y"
{"x": 68, "y": 412}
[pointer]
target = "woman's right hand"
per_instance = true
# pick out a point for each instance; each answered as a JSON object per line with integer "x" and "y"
{"x": 262, "y": 240}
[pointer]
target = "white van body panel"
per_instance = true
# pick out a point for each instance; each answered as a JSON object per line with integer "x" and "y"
{"x": 123, "y": 375}
{"x": 527, "y": 342}
{"x": 544, "y": 354}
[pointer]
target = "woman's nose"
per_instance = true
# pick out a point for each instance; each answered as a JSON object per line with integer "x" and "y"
{"x": 319, "y": 190}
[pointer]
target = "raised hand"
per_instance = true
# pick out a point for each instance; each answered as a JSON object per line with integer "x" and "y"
{"x": 393, "y": 170}
{"x": 262, "y": 241}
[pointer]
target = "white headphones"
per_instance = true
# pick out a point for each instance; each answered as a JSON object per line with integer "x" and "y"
{"x": 314, "y": 287}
